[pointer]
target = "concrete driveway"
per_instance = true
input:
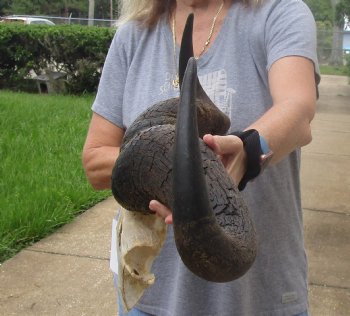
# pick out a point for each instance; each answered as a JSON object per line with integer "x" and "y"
{"x": 326, "y": 200}
{"x": 67, "y": 273}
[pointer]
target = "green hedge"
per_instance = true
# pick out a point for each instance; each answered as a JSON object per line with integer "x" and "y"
{"x": 78, "y": 51}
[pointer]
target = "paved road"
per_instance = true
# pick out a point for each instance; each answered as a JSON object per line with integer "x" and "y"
{"x": 67, "y": 273}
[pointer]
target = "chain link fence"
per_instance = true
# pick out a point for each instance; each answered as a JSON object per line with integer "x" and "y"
{"x": 325, "y": 42}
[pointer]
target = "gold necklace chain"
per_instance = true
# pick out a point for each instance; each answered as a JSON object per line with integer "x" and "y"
{"x": 176, "y": 81}
{"x": 211, "y": 31}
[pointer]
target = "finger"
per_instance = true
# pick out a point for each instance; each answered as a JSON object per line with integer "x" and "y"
{"x": 159, "y": 208}
{"x": 210, "y": 141}
{"x": 169, "y": 219}
{"x": 223, "y": 145}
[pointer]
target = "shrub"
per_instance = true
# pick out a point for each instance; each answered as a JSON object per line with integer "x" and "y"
{"x": 78, "y": 51}
{"x": 20, "y": 52}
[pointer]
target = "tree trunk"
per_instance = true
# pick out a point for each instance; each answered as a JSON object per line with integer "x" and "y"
{"x": 91, "y": 12}
{"x": 336, "y": 58}
{"x": 111, "y": 11}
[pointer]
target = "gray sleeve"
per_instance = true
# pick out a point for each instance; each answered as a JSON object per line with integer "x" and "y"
{"x": 291, "y": 31}
{"x": 109, "y": 99}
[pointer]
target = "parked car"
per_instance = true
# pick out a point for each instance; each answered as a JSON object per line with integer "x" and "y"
{"x": 26, "y": 20}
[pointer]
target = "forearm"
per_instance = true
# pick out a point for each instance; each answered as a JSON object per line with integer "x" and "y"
{"x": 98, "y": 164}
{"x": 286, "y": 126}
{"x": 101, "y": 151}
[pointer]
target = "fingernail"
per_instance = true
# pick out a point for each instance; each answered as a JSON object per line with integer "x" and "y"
{"x": 167, "y": 221}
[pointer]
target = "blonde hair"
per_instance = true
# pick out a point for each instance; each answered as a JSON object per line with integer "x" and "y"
{"x": 149, "y": 11}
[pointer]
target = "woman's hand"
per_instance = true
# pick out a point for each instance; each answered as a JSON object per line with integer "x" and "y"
{"x": 231, "y": 152}
{"x": 161, "y": 210}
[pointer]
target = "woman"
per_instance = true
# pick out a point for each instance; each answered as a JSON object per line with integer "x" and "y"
{"x": 257, "y": 62}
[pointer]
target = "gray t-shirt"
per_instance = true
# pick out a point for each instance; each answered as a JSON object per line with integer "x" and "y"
{"x": 138, "y": 72}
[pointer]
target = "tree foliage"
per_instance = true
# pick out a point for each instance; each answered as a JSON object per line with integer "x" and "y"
{"x": 322, "y": 10}
{"x": 44, "y": 7}
{"x": 63, "y": 8}
{"x": 342, "y": 11}
{"x": 4, "y": 6}
{"x": 330, "y": 16}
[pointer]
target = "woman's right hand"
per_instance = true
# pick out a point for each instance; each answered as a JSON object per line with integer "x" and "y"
{"x": 162, "y": 211}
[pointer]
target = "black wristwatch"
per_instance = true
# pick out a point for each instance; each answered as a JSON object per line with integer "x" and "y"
{"x": 258, "y": 154}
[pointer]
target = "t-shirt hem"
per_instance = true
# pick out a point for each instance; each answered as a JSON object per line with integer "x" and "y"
{"x": 287, "y": 311}
{"x": 116, "y": 120}
{"x": 299, "y": 53}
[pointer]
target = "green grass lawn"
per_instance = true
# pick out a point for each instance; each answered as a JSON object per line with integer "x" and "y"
{"x": 332, "y": 70}
{"x": 42, "y": 183}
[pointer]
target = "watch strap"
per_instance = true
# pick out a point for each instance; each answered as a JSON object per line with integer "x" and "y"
{"x": 253, "y": 148}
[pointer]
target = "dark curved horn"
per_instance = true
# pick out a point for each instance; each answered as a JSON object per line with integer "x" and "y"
{"x": 186, "y": 52}
{"x": 205, "y": 248}
{"x": 187, "y": 156}
{"x": 213, "y": 231}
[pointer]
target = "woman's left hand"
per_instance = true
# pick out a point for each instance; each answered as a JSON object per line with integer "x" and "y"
{"x": 231, "y": 152}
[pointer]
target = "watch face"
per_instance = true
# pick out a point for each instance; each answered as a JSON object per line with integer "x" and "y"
{"x": 265, "y": 159}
